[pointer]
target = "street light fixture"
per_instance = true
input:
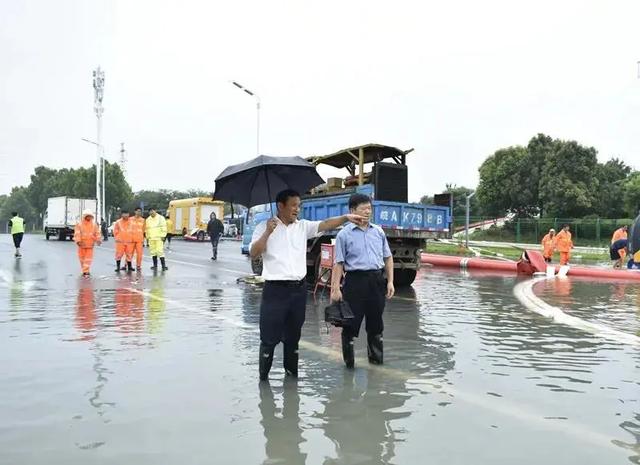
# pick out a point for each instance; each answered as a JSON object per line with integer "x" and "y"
{"x": 255, "y": 96}
{"x": 98, "y": 88}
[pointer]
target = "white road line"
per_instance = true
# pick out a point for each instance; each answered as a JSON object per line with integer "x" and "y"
{"x": 501, "y": 406}
{"x": 524, "y": 293}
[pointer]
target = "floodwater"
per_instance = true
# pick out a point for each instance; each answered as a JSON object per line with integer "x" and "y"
{"x": 163, "y": 369}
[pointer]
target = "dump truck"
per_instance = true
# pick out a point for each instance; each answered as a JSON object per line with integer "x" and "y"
{"x": 407, "y": 225}
{"x": 63, "y": 213}
{"x": 190, "y": 216}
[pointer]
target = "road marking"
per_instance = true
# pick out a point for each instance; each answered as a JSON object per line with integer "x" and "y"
{"x": 524, "y": 293}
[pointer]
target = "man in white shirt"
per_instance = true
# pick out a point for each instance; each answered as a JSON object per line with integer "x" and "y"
{"x": 282, "y": 243}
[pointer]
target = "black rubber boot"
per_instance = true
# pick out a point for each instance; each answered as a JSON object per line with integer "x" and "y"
{"x": 348, "y": 353}
{"x": 291, "y": 360}
{"x": 117, "y": 266}
{"x": 374, "y": 348}
{"x": 266, "y": 359}
{"x": 155, "y": 263}
{"x": 164, "y": 265}
{"x": 129, "y": 267}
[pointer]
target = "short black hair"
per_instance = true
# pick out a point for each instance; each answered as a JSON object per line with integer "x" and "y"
{"x": 151, "y": 208}
{"x": 14, "y": 213}
{"x": 566, "y": 225}
{"x": 358, "y": 199}
{"x": 137, "y": 208}
{"x": 285, "y": 195}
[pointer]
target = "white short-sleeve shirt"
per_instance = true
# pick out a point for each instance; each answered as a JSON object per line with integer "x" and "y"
{"x": 285, "y": 258}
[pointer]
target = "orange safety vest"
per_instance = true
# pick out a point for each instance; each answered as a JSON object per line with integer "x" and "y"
{"x": 619, "y": 234}
{"x": 548, "y": 244}
{"x": 563, "y": 241}
{"x": 123, "y": 230}
{"x": 86, "y": 233}
{"x": 137, "y": 229}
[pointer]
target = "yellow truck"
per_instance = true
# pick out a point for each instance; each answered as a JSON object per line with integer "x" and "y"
{"x": 190, "y": 216}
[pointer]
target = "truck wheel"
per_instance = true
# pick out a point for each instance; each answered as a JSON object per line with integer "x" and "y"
{"x": 62, "y": 236}
{"x": 184, "y": 231}
{"x": 256, "y": 266}
{"x": 46, "y": 236}
{"x": 201, "y": 236}
{"x": 404, "y": 277}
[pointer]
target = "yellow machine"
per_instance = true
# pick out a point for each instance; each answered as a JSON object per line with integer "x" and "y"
{"x": 190, "y": 216}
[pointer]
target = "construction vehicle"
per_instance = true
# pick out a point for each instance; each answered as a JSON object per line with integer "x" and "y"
{"x": 407, "y": 225}
{"x": 190, "y": 216}
{"x": 63, "y": 213}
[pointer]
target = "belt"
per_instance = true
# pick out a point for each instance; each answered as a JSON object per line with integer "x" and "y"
{"x": 365, "y": 272}
{"x": 286, "y": 283}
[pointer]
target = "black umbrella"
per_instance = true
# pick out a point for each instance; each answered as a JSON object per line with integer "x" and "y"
{"x": 257, "y": 181}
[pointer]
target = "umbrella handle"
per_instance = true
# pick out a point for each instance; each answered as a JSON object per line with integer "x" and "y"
{"x": 266, "y": 175}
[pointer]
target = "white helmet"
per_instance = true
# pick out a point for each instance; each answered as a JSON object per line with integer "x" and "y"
{"x": 86, "y": 213}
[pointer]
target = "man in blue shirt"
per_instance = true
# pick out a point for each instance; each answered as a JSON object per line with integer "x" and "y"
{"x": 362, "y": 253}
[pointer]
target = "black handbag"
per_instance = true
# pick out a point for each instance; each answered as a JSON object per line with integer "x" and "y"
{"x": 338, "y": 314}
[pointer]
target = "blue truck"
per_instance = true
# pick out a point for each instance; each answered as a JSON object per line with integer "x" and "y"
{"x": 407, "y": 225}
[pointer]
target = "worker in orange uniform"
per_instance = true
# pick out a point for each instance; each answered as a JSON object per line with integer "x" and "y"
{"x": 564, "y": 244}
{"x": 138, "y": 228}
{"x": 549, "y": 245}
{"x": 619, "y": 234}
{"x": 86, "y": 234}
{"x": 123, "y": 234}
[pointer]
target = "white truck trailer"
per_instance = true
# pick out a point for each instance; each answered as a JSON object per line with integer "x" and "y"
{"x": 63, "y": 213}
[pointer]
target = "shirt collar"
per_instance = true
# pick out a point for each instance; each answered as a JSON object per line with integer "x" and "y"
{"x": 353, "y": 226}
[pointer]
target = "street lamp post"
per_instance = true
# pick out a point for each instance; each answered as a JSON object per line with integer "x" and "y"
{"x": 98, "y": 89}
{"x": 466, "y": 229}
{"x": 100, "y": 207}
{"x": 255, "y": 96}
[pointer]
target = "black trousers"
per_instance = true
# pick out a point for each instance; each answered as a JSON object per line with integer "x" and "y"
{"x": 17, "y": 239}
{"x": 365, "y": 292}
{"x": 214, "y": 245}
{"x": 282, "y": 313}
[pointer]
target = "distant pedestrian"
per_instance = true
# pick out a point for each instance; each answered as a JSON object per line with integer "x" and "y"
{"x": 156, "y": 231}
{"x": 86, "y": 235}
{"x": 620, "y": 233}
{"x": 215, "y": 229}
{"x": 123, "y": 232}
{"x": 362, "y": 252}
{"x": 138, "y": 237}
{"x": 549, "y": 245}
{"x": 170, "y": 231}
{"x": 105, "y": 231}
{"x": 16, "y": 225}
{"x": 282, "y": 243}
{"x": 617, "y": 252}
{"x": 564, "y": 244}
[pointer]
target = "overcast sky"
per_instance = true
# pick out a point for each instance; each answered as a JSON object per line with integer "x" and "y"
{"x": 453, "y": 80}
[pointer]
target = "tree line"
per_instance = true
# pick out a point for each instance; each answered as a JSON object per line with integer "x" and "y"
{"x": 550, "y": 178}
{"x": 31, "y": 200}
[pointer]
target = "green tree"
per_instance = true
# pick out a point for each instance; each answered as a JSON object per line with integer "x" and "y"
{"x": 426, "y": 200}
{"x": 569, "y": 182}
{"x": 631, "y": 194}
{"x": 18, "y": 201}
{"x": 505, "y": 184}
{"x": 610, "y": 196}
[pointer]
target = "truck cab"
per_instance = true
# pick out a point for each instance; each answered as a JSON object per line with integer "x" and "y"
{"x": 379, "y": 171}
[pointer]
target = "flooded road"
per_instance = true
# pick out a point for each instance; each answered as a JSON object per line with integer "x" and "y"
{"x": 163, "y": 369}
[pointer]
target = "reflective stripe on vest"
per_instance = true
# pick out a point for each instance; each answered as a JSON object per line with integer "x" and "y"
{"x": 17, "y": 225}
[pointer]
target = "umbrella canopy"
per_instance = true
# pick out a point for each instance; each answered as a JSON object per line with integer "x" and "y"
{"x": 258, "y": 181}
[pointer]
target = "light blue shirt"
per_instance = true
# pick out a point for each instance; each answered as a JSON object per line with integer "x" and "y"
{"x": 362, "y": 249}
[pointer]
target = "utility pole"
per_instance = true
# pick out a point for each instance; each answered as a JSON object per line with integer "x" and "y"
{"x": 98, "y": 93}
{"x": 466, "y": 229}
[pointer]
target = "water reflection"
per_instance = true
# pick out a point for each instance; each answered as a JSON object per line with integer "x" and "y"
{"x": 86, "y": 314}
{"x": 281, "y": 426}
{"x": 156, "y": 305}
{"x": 129, "y": 310}
{"x": 358, "y": 417}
